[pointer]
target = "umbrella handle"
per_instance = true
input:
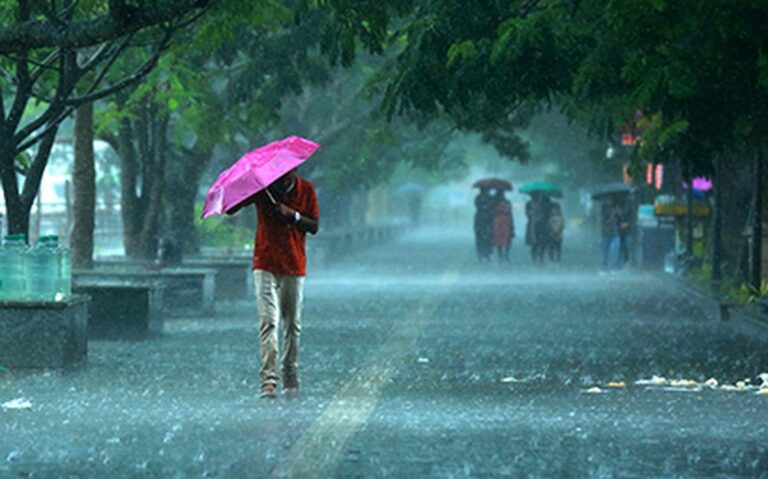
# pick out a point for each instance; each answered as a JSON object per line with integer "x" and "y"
{"x": 271, "y": 198}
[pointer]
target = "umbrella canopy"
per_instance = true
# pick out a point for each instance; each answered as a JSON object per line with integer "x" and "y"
{"x": 700, "y": 184}
{"x": 408, "y": 188}
{"x": 610, "y": 189}
{"x": 493, "y": 183}
{"x": 543, "y": 187}
{"x": 255, "y": 171}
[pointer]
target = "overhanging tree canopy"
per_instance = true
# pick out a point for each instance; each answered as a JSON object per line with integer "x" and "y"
{"x": 55, "y": 56}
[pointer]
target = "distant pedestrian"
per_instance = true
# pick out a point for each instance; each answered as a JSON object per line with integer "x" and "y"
{"x": 483, "y": 224}
{"x": 610, "y": 219}
{"x": 625, "y": 231}
{"x": 556, "y": 227}
{"x": 503, "y": 226}
{"x": 287, "y": 210}
{"x": 537, "y": 209}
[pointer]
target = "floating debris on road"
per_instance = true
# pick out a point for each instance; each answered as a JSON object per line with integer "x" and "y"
{"x": 681, "y": 389}
{"x": 616, "y": 384}
{"x": 422, "y": 360}
{"x": 512, "y": 379}
{"x": 654, "y": 381}
{"x": 19, "y": 403}
{"x": 661, "y": 383}
{"x": 593, "y": 390}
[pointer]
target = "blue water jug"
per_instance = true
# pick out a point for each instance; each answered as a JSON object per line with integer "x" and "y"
{"x": 64, "y": 290}
{"x": 13, "y": 282}
{"x": 43, "y": 269}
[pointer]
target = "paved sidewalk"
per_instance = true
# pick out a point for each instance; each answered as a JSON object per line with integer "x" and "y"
{"x": 416, "y": 362}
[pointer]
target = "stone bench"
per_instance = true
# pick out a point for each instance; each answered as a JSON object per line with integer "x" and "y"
{"x": 234, "y": 279}
{"x": 44, "y": 334}
{"x": 122, "y": 311}
{"x": 233, "y": 275}
{"x": 186, "y": 292}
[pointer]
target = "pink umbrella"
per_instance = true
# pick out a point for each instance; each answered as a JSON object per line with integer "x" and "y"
{"x": 255, "y": 171}
{"x": 700, "y": 183}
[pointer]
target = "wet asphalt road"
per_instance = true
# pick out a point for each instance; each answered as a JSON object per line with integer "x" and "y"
{"x": 416, "y": 362}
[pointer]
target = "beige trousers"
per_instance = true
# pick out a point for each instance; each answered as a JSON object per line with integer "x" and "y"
{"x": 279, "y": 299}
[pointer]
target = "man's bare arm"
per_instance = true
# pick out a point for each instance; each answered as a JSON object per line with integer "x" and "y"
{"x": 247, "y": 202}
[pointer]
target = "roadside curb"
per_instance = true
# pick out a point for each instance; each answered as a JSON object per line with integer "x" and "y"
{"x": 740, "y": 319}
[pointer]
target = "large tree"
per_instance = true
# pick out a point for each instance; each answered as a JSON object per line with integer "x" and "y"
{"x": 56, "y": 56}
{"x": 696, "y": 70}
{"x": 218, "y": 95}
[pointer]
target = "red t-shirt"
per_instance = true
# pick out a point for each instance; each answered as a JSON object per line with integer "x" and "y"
{"x": 280, "y": 247}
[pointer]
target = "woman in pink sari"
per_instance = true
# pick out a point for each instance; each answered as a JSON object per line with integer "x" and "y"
{"x": 503, "y": 226}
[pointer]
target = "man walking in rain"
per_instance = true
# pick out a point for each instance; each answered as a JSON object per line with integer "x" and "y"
{"x": 287, "y": 210}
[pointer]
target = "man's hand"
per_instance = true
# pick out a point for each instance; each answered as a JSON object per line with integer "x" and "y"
{"x": 286, "y": 213}
{"x": 305, "y": 224}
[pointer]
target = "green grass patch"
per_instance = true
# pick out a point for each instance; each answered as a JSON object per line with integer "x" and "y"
{"x": 221, "y": 231}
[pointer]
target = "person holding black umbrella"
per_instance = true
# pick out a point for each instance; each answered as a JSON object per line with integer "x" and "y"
{"x": 483, "y": 223}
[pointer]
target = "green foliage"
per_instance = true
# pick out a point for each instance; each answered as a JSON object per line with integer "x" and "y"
{"x": 221, "y": 231}
{"x": 463, "y": 51}
{"x": 23, "y": 160}
{"x": 747, "y": 293}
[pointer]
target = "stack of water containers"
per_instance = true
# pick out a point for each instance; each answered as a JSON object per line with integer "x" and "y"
{"x": 40, "y": 273}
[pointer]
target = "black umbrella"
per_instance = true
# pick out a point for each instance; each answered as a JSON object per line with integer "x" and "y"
{"x": 610, "y": 189}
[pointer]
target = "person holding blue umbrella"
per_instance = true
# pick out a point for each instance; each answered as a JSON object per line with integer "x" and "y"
{"x": 539, "y": 210}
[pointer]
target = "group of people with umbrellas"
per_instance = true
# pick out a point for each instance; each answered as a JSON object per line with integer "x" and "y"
{"x": 494, "y": 225}
{"x": 494, "y": 222}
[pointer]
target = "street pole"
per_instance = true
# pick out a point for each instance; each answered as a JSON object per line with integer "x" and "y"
{"x": 757, "y": 226}
{"x": 717, "y": 228}
{"x": 689, "y": 215}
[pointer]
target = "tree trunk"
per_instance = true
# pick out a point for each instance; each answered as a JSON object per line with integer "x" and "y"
{"x": 717, "y": 228}
{"x": 689, "y": 212}
{"x": 757, "y": 226}
{"x": 18, "y": 216}
{"x": 183, "y": 181}
{"x": 153, "y": 178}
{"x": 84, "y": 182}
{"x": 18, "y": 203}
{"x": 130, "y": 209}
{"x": 17, "y": 219}
{"x": 142, "y": 147}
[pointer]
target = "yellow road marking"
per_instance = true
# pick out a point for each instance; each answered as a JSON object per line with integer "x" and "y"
{"x": 318, "y": 451}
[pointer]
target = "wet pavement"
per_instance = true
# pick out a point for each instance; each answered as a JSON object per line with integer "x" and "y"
{"x": 416, "y": 362}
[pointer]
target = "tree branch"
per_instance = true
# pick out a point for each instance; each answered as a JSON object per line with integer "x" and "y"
{"x": 100, "y": 54}
{"x": 137, "y": 76}
{"x": 35, "y": 173}
{"x": 23, "y": 90}
{"x": 67, "y": 106}
{"x": 68, "y": 78}
{"x": 52, "y": 125}
{"x": 32, "y": 34}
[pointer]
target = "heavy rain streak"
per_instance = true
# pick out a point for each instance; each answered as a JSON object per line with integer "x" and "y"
{"x": 396, "y": 239}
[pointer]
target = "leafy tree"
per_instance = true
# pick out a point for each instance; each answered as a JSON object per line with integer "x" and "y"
{"x": 222, "y": 92}
{"x": 56, "y": 56}
{"x": 360, "y": 147}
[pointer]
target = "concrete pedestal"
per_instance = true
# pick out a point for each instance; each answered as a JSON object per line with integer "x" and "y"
{"x": 123, "y": 311}
{"x": 44, "y": 334}
{"x": 233, "y": 280}
{"x": 186, "y": 292}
